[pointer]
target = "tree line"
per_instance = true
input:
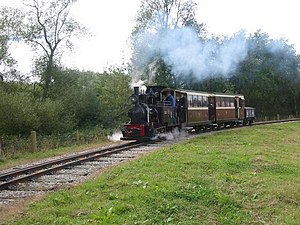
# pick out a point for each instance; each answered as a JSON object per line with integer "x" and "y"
{"x": 55, "y": 99}
{"x": 265, "y": 70}
{"x": 76, "y": 100}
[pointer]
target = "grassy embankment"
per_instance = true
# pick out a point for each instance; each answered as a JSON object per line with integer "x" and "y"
{"x": 243, "y": 176}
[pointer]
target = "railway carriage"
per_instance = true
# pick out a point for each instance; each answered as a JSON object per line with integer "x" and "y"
{"x": 198, "y": 110}
{"x": 227, "y": 109}
{"x": 159, "y": 109}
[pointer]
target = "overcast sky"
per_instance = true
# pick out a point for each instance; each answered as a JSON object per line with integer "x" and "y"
{"x": 111, "y": 22}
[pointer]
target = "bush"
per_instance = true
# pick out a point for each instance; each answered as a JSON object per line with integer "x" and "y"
{"x": 114, "y": 92}
{"x": 53, "y": 117}
{"x": 17, "y": 114}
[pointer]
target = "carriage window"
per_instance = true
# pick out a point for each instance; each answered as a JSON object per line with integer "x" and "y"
{"x": 200, "y": 101}
{"x": 231, "y": 102}
{"x": 218, "y": 101}
{"x": 205, "y": 101}
{"x": 195, "y": 101}
{"x": 222, "y": 102}
{"x": 190, "y": 98}
{"x": 227, "y": 102}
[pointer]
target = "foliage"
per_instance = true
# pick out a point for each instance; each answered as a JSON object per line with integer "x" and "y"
{"x": 53, "y": 117}
{"x": 269, "y": 76}
{"x": 60, "y": 99}
{"x": 165, "y": 14}
{"x": 76, "y": 100}
{"x": 158, "y": 72}
{"x": 20, "y": 113}
{"x": 76, "y": 90}
{"x": 10, "y": 25}
{"x": 49, "y": 28}
{"x": 158, "y": 17}
{"x": 17, "y": 114}
{"x": 114, "y": 91}
{"x": 210, "y": 84}
{"x": 266, "y": 71}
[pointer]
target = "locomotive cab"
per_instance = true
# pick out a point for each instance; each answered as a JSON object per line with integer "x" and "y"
{"x": 174, "y": 108}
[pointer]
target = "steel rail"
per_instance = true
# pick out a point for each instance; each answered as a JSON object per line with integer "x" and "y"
{"x": 7, "y": 175}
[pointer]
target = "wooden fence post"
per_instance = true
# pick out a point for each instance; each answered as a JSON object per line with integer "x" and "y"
{"x": 278, "y": 117}
{"x": 33, "y": 141}
{"x": 0, "y": 146}
{"x": 77, "y": 137}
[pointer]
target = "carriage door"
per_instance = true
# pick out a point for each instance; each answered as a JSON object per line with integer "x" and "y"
{"x": 239, "y": 104}
{"x": 181, "y": 106}
{"x": 237, "y": 107}
{"x": 212, "y": 108}
{"x": 242, "y": 108}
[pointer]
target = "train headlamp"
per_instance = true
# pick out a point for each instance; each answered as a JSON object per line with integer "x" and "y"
{"x": 133, "y": 99}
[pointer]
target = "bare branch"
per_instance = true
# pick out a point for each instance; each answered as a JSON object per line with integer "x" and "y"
{"x": 50, "y": 29}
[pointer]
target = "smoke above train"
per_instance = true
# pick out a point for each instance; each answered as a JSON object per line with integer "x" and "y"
{"x": 187, "y": 53}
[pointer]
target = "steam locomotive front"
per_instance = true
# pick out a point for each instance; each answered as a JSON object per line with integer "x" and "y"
{"x": 136, "y": 129}
{"x": 143, "y": 117}
{"x": 138, "y": 112}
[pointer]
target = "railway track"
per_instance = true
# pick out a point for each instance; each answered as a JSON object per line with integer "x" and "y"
{"x": 19, "y": 175}
{"x": 26, "y": 181}
{"x": 276, "y": 121}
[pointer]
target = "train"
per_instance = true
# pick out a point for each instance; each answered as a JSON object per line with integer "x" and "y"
{"x": 159, "y": 109}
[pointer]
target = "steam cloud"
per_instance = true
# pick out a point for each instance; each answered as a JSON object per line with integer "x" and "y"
{"x": 115, "y": 136}
{"x": 187, "y": 54}
{"x": 174, "y": 135}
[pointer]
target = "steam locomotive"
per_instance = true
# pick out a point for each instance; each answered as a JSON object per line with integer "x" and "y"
{"x": 159, "y": 109}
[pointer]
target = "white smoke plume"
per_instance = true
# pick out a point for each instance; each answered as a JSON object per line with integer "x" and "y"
{"x": 187, "y": 54}
{"x": 115, "y": 136}
{"x": 140, "y": 84}
{"x": 174, "y": 135}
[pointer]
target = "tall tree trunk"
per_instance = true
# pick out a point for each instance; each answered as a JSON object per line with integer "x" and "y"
{"x": 48, "y": 75}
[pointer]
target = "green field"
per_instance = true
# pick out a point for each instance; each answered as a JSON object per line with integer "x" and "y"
{"x": 242, "y": 176}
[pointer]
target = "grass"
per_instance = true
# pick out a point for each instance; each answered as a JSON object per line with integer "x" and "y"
{"x": 242, "y": 176}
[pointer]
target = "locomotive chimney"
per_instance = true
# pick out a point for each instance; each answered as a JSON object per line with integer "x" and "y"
{"x": 136, "y": 91}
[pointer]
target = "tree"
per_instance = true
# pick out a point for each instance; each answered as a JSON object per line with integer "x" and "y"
{"x": 77, "y": 92}
{"x": 165, "y": 14}
{"x": 269, "y": 76}
{"x": 211, "y": 84}
{"x": 10, "y": 25}
{"x": 163, "y": 74}
{"x": 114, "y": 91}
{"x": 155, "y": 18}
{"x": 50, "y": 28}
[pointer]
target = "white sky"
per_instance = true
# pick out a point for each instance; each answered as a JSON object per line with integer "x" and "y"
{"x": 111, "y": 22}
